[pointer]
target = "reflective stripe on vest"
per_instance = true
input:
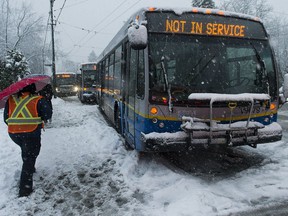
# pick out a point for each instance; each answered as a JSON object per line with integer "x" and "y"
{"x": 21, "y": 115}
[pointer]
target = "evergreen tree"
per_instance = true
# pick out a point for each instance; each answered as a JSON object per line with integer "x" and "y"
{"x": 3, "y": 84}
{"x": 92, "y": 57}
{"x": 203, "y": 3}
{"x": 13, "y": 68}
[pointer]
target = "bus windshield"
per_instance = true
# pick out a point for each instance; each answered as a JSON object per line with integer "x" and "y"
{"x": 89, "y": 78}
{"x": 209, "y": 65}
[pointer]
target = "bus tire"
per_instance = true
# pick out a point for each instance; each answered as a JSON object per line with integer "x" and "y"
{"x": 117, "y": 117}
{"x": 127, "y": 146}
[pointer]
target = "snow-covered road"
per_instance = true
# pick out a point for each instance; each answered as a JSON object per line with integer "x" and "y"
{"x": 83, "y": 169}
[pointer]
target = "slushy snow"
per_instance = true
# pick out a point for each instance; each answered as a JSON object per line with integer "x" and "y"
{"x": 83, "y": 169}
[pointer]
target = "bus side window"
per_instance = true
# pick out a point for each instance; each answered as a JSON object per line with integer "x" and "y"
{"x": 106, "y": 83}
{"x": 111, "y": 74}
{"x": 133, "y": 72}
{"x": 117, "y": 71}
{"x": 140, "y": 75}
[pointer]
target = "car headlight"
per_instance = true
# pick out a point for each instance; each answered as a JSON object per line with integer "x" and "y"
{"x": 76, "y": 88}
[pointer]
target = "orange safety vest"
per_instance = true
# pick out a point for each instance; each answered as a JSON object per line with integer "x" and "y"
{"x": 22, "y": 115}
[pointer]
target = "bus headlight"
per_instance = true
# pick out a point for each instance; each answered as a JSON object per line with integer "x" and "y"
{"x": 76, "y": 88}
{"x": 57, "y": 89}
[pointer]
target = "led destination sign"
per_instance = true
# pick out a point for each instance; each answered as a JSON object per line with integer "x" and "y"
{"x": 201, "y": 24}
{"x": 218, "y": 29}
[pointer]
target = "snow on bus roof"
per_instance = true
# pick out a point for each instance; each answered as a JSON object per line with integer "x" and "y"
{"x": 65, "y": 73}
{"x": 228, "y": 97}
{"x": 208, "y": 11}
{"x": 85, "y": 63}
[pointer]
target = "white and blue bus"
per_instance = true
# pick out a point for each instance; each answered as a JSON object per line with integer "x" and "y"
{"x": 66, "y": 84}
{"x": 171, "y": 79}
{"x": 89, "y": 82}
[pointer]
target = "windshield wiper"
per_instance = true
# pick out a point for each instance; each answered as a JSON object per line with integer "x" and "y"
{"x": 202, "y": 69}
{"x": 263, "y": 67}
{"x": 208, "y": 62}
{"x": 168, "y": 87}
{"x": 198, "y": 63}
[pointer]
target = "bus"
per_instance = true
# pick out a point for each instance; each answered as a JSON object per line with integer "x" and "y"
{"x": 89, "y": 82}
{"x": 174, "y": 79}
{"x": 66, "y": 84}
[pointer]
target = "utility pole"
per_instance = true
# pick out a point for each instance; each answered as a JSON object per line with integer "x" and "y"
{"x": 6, "y": 27}
{"x": 53, "y": 47}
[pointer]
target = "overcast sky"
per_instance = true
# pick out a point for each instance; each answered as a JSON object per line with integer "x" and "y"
{"x": 86, "y": 25}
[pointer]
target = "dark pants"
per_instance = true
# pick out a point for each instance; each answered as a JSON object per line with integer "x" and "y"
{"x": 30, "y": 144}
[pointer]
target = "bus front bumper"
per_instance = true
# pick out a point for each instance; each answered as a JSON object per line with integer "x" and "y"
{"x": 206, "y": 136}
{"x": 89, "y": 96}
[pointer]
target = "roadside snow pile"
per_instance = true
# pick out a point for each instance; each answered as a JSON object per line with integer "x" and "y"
{"x": 77, "y": 173}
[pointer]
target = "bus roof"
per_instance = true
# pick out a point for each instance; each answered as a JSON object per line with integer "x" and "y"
{"x": 88, "y": 63}
{"x": 65, "y": 73}
{"x": 207, "y": 11}
{"x": 123, "y": 32}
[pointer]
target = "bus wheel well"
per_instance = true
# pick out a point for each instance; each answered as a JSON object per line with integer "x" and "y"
{"x": 127, "y": 145}
{"x": 117, "y": 117}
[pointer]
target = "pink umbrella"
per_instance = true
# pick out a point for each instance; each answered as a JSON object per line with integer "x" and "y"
{"x": 40, "y": 81}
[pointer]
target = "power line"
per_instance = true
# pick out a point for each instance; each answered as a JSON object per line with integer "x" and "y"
{"x": 80, "y": 43}
{"x": 43, "y": 49}
{"x": 101, "y": 21}
{"x": 120, "y": 15}
{"x": 61, "y": 9}
{"x": 109, "y": 22}
{"x": 77, "y": 27}
{"x": 81, "y": 28}
{"x": 112, "y": 21}
{"x": 68, "y": 35}
{"x": 47, "y": 25}
{"x": 93, "y": 47}
{"x": 71, "y": 5}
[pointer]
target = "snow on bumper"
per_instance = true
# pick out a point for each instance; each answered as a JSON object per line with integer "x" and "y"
{"x": 232, "y": 136}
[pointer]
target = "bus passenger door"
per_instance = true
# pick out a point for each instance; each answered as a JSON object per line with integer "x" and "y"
{"x": 130, "y": 92}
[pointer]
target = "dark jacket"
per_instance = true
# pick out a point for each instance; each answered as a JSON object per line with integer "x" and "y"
{"x": 47, "y": 92}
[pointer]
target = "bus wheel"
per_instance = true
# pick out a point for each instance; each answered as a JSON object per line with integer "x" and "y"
{"x": 127, "y": 146}
{"x": 97, "y": 99}
{"x": 117, "y": 118}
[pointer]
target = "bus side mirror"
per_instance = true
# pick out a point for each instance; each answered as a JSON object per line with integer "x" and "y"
{"x": 285, "y": 86}
{"x": 137, "y": 36}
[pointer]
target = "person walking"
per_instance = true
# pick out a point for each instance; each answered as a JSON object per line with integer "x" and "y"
{"x": 47, "y": 93}
{"x": 24, "y": 113}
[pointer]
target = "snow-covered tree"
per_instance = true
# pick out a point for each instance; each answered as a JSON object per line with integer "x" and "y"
{"x": 3, "y": 83}
{"x": 278, "y": 31}
{"x": 21, "y": 29}
{"x": 258, "y": 8}
{"x": 203, "y": 3}
{"x": 92, "y": 57}
{"x": 12, "y": 68}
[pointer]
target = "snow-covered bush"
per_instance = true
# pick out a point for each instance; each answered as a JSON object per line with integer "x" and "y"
{"x": 12, "y": 68}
